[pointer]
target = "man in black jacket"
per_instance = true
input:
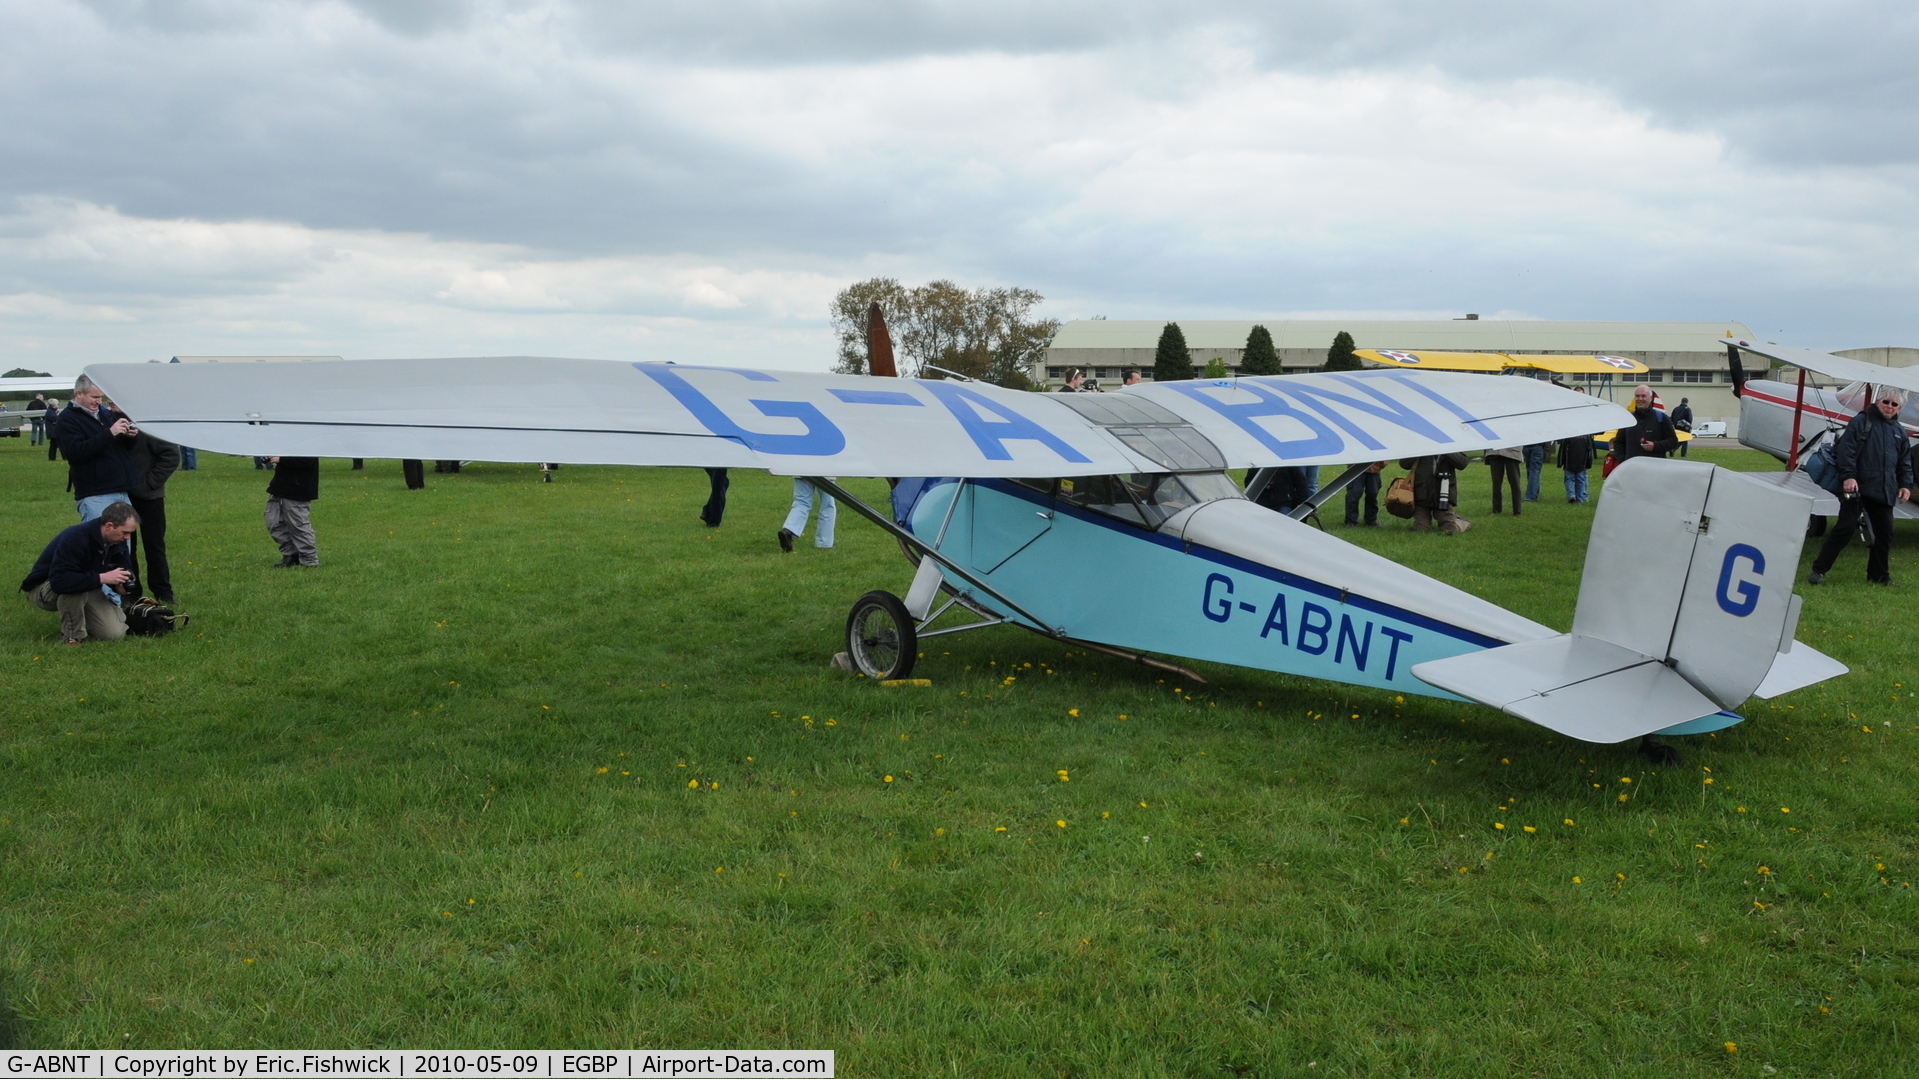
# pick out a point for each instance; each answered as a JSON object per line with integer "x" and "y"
{"x": 1436, "y": 492}
{"x": 154, "y": 461}
{"x": 1651, "y": 434}
{"x": 96, "y": 442}
{"x": 1875, "y": 470}
{"x": 295, "y": 486}
{"x": 72, "y": 570}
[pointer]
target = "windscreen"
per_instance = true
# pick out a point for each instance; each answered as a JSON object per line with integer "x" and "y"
{"x": 1146, "y": 499}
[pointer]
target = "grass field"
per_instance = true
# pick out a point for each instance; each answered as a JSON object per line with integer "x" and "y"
{"x": 553, "y": 765}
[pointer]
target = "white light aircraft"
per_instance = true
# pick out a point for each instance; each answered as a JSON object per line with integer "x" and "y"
{"x": 1791, "y": 420}
{"x": 1109, "y": 520}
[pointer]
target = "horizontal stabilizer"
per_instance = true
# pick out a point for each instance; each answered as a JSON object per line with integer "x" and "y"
{"x": 1824, "y": 502}
{"x": 1796, "y": 668}
{"x": 1582, "y": 687}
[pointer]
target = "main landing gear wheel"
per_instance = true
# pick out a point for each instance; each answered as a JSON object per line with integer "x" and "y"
{"x": 880, "y": 638}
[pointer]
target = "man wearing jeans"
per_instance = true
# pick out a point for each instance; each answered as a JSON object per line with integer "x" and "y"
{"x": 78, "y": 567}
{"x": 97, "y": 443}
{"x": 1535, "y": 464}
{"x": 795, "y": 526}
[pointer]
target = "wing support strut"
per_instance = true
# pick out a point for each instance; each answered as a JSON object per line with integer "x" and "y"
{"x": 1325, "y": 494}
{"x": 926, "y": 550}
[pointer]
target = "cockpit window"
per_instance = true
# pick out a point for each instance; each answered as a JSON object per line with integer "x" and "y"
{"x": 1145, "y": 499}
{"x": 1148, "y": 429}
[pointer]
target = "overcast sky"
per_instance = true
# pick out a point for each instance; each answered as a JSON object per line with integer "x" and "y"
{"x": 694, "y": 181}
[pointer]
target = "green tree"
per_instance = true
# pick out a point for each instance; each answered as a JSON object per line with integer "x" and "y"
{"x": 1216, "y": 367}
{"x": 986, "y": 333}
{"x": 21, "y": 372}
{"x": 1261, "y": 357}
{"x": 1172, "y": 361}
{"x": 1340, "y": 357}
{"x": 848, "y": 313}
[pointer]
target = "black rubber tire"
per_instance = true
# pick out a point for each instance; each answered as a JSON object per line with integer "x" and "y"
{"x": 880, "y": 637}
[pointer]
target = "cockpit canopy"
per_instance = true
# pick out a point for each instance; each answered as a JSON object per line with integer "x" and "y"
{"x": 1149, "y": 430}
{"x": 1145, "y": 499}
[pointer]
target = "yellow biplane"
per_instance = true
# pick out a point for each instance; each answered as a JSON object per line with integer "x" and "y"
{"x": 1497, "y": 362}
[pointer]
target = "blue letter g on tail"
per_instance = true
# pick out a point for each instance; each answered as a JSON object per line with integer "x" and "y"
{"x": 1748, "y": 591}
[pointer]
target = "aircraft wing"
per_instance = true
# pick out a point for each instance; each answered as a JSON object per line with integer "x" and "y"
{"x": 1428, "y": 360}
{"x": 806, "y": 424}
{"x": 1839, "y": 367}
{"x": 1334, "y": 418}
{"x": 608, "y": 412}
{"x": 1579, "y": 365}
{"x": 36, "y": 385}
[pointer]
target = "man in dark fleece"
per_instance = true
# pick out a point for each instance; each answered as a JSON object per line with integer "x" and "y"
{"x": 1875, "y": 467}
{"x": 72, "y": 570}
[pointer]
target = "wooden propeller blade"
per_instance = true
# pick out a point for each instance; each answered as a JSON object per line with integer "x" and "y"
{"x": 879, "y": 345}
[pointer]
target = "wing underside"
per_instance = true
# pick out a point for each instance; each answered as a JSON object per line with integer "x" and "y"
{"x": 800, "y": 423}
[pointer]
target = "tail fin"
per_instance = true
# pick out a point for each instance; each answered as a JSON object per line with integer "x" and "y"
{"x": 1686, "y": 605}
{"x": 1694, "y": 565}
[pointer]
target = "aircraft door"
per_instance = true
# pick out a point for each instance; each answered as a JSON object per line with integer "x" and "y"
{"x": 1007, "y": 523}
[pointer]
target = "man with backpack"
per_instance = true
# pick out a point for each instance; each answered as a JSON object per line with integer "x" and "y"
{"x": 1874, "y": 461}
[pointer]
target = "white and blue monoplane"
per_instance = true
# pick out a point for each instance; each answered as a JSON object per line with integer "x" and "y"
{"x": 1110, "y": 520}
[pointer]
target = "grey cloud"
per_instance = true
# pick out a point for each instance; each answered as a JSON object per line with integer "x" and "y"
{"x": 429, "y": 116}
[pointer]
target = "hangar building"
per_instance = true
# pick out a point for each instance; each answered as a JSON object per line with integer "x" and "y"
{"x": 1688, "y": 359}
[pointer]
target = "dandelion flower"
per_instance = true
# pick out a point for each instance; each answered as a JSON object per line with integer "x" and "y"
{"x": 1002, "y": 828}
{"x": 601, "y": 772}
{"x": 1074, "y": 712}
{"x": 1405, "y": 820}
{"x": 1621, "y": 876}
{"x": 693, "y": 783}
{"x": 1530, "y": 828}
{"x": 889, "y": 779}
{"x": 1783, "y": 809}
{"x": 1576, "y": 880}
{"x": 1061, "y": 823}
{"x": 939, "y": 831}
{"x": 1142, "y": 805}
{"x": 1624, "y": 797}
{"x": 1569, "y": 822}
{"x": 1499, "y": 826}
{"x": 1732, "y": 1047}
{"x": 713, "y": 786}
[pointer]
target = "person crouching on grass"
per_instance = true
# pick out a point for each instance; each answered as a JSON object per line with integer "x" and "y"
{"x": 290, "y": 497}
{"x": 76, "y": 566}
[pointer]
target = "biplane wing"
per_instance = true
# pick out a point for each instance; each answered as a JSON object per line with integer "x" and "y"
{"x": 806, "y": 424}
{"x": 1493, "y": 362}
{"x": 1839, "y": 367}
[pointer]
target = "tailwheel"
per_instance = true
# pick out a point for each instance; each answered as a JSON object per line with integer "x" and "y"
{"x": 880, "y": 638}
{"x": 1658, "y": 751}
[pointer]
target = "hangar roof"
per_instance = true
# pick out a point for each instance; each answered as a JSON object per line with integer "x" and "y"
{"x": 1466, "y": 335}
